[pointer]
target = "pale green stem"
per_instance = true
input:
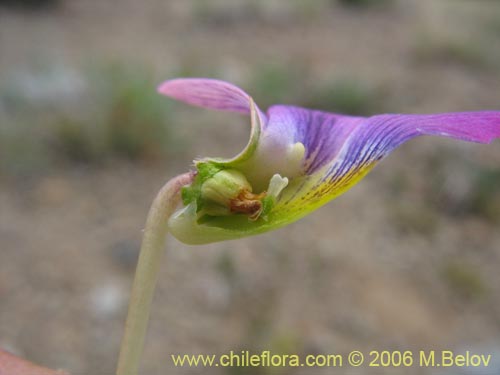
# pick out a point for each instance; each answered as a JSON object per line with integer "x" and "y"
{"x": 152, "y": 249}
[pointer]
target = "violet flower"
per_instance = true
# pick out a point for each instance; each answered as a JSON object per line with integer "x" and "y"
{"x": 297, "y": 159}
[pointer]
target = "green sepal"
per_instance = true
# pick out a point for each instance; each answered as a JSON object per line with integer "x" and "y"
{"x": 192, "y": 193}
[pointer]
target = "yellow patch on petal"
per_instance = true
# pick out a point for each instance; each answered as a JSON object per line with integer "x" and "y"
{"x": 307, "y": 193}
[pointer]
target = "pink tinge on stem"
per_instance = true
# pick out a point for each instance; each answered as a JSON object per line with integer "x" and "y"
{"x": 12, "y": 365}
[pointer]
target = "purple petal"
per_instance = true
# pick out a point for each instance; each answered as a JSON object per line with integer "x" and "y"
{"x": 207, "y": 93}
{"x": 365, "y": 140}
{"x": 340, "y": 150}
{"x": 377, "y": 136}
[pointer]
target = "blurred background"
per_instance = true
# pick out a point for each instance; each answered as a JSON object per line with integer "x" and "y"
{"x": 406, "y": 260}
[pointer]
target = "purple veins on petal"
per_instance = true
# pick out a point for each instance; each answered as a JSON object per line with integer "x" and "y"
{"x": 393, "y": 130}
{"x": 365, "y": 140}
{"x": 321, "y": 133}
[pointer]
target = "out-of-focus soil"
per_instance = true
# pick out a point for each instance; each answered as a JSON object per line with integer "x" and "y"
{"x": 344, "y": 278}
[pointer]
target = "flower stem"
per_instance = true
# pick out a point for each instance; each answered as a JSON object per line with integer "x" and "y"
{"x": 152, "y": 249}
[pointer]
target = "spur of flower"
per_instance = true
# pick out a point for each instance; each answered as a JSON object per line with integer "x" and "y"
{"x": 297, "y": 159}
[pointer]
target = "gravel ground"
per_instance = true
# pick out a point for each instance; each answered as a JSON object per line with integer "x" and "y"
{"x": 386, "y": 266}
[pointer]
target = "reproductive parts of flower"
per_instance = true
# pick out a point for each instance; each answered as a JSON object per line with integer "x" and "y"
{"x": 222, "y": 191}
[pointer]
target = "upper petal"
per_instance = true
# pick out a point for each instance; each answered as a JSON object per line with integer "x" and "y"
{"x": 223, "y": 96}
{"x": 207, "y": 93}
